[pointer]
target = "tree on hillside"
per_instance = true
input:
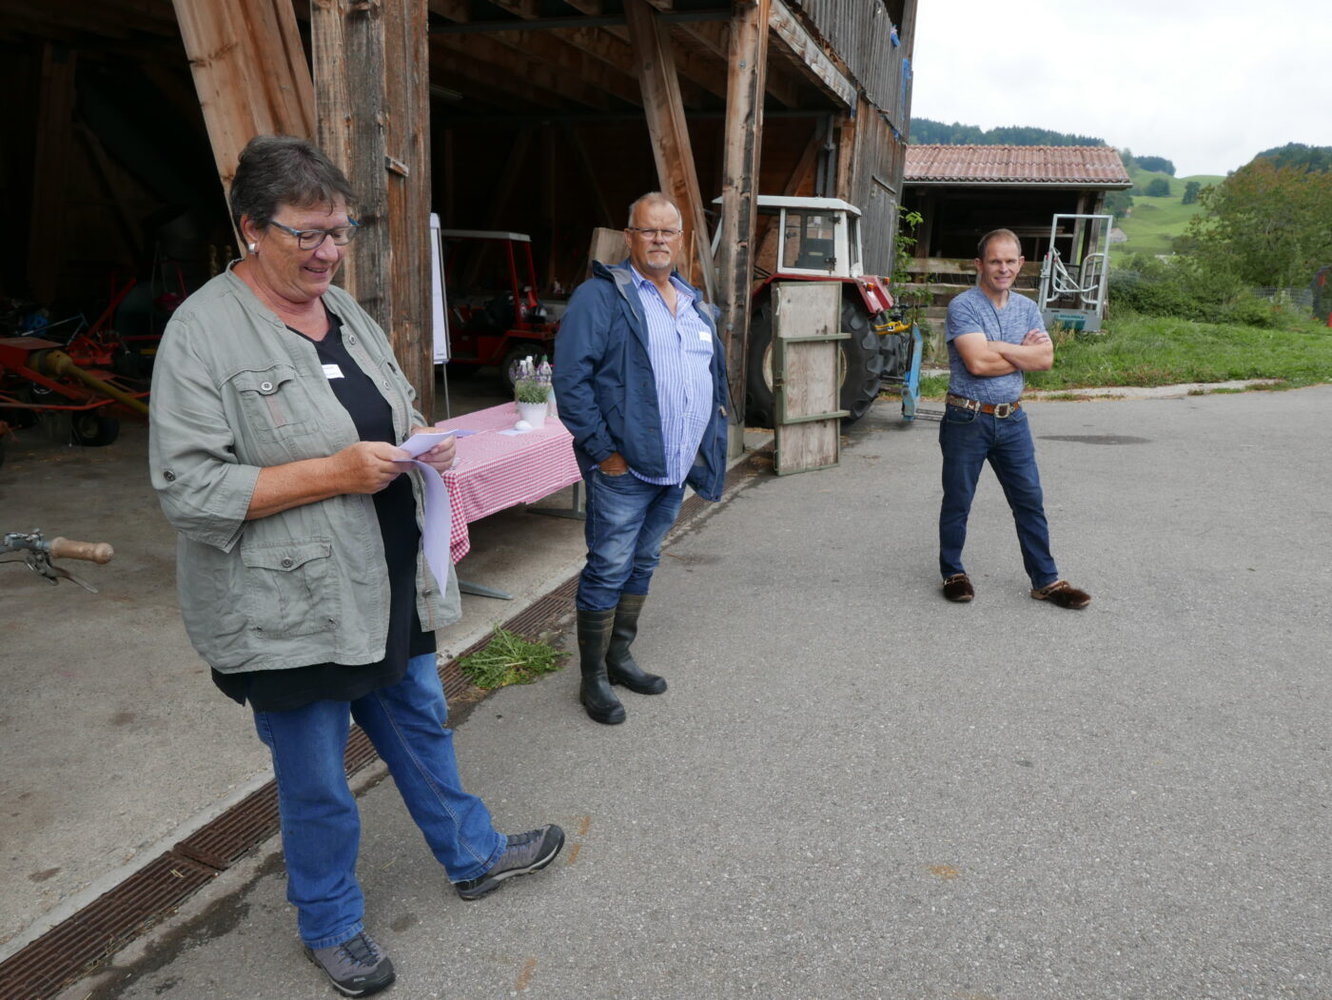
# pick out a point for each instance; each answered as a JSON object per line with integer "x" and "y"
{"x": 1191, "y": 189}
{"x": 1265, "y": 225}
{"x": 1157, "y": 187}
{"x": 1296, "y": 154}
{"x": 1156, "y": 164}
{"x": 925, "y": 131}
{"x": 1119, "y": 203}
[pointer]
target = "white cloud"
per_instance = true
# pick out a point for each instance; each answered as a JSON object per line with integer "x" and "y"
{"x": 1206, "y": 85}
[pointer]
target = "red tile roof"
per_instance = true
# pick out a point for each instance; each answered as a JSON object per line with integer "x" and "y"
{"x": 1025, "y": 166}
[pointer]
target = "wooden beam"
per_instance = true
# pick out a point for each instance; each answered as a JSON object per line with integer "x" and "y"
{"x": 671, "y": 147}
{"x": 594, "y": 191}
{"x": 129, "y": 222}
{"x": 407, "y": 172}
{"x": 845, "y": 167}
{"x": 793, "y": 34}
{"x": 808, "y": 159}
{"x": 748, "y": 59}
{"x": 371, "y": 64}
{"x": 46, "y": 226}
{"x": 713, "y": 38}
{"x": 613, "y": 47}
{"x": 250, "y": 73}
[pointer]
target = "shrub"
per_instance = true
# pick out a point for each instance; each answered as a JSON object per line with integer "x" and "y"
{"x": 1181, "y": 289}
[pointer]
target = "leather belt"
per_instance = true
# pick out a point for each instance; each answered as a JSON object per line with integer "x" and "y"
{"x": 999, "y": 410}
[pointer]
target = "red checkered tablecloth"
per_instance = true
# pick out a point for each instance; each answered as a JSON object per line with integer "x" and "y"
{"x": 495, "y": 471}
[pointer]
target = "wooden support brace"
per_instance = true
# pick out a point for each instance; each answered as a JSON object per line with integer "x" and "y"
{"x": 748, "y": 58}
{"x": 671, "y": 147}
{"x": 249, "y": 71}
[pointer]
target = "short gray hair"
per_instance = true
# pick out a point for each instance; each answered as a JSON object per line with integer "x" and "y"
{"x": 277, "y": 170}
{"x": 653, "y": 198}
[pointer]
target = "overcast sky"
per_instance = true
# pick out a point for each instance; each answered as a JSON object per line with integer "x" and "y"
{"x": 1205, "y": 83}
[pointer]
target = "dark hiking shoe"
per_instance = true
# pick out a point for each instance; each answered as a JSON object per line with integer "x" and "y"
{"x": 357, "y": 967}
{"x": 527, "y": 852}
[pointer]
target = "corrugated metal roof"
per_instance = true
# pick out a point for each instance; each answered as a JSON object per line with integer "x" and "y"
{"x": 1082, "y": 166}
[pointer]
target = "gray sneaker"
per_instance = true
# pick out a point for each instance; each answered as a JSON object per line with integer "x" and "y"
{"x": 357, "y": 967}
{"x": 526, "y": 853}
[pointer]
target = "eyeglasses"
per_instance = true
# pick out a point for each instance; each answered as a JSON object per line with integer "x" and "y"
{"x": 313, "y": 239}
{"x": 656, "y": 234}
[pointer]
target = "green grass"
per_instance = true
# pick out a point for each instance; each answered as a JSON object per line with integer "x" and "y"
{"x": 1155, "y": 222}
{"x": 1150, "y": 351}
{"x": 509, "y": 659}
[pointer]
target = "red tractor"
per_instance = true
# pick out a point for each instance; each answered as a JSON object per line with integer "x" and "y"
{"x": 494, "y": 315}
{"x": 818, "y": 239}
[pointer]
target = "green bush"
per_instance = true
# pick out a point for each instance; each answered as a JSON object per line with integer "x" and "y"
{"x": 1180, "y": 289}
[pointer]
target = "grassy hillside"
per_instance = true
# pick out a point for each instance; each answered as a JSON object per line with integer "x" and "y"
{"x": 1154, "y": 222}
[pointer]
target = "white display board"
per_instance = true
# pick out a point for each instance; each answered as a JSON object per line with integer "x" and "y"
{"x": 439, "y": 314}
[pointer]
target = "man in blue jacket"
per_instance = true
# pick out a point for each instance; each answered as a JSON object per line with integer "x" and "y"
{"x": 641, "y": 383}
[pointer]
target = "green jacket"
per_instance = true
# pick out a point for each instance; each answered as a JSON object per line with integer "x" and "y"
{"x": 234, "y": 391}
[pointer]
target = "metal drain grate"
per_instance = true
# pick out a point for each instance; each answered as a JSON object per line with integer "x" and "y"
{"x": 76, "y": 946}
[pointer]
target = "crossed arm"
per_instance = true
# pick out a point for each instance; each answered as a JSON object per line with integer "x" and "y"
{"x": 984, "y": 357}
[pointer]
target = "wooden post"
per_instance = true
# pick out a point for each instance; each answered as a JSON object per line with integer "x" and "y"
{"x": 46, "y": 216}
{"x": 374, "y": 123}
{"x": 845, "y": 170}
{"x": 670, "y": 137}
{"x": 249, "y": 71}
{"x": 740, "y": 172}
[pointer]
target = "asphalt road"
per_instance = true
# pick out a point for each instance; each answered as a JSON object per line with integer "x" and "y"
{"x": 855, "y": 789}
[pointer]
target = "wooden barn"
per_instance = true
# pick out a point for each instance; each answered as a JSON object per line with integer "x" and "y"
{"x": 544, "y": 117}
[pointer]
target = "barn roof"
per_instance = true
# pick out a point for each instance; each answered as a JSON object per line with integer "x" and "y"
{"x": 1016, "y": 166}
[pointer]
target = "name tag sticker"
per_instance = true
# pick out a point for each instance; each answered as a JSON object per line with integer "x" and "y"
{"x": 332, "y": 371}
{"x": 704, "y": 335}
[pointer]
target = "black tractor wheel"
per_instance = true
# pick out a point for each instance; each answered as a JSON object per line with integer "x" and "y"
{"x": 860, "y": 362}
{"x": 515, "y": 354}
{"x": 90, "y": 428}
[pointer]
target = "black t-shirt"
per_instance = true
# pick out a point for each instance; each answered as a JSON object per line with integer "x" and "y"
{"x": 280, "y": 690}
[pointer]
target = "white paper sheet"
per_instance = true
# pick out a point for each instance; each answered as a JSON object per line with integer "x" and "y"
{"x": 438, "y": 516}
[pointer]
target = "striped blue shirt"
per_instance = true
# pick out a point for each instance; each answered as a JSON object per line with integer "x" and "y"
{"x": 680, "y": 349}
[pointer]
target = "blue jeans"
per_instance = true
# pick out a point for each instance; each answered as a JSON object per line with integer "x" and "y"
{"x": 627, "y": 519}
{"x": 968, "y": 440}
{"x": 321, "y": 828}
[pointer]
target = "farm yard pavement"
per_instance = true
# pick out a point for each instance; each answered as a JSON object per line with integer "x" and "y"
{"x": 856, "y": 789}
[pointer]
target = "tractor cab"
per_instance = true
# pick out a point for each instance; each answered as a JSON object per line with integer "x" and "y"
{"x": 808, "y": 237}
{"x": 818, "y": 239}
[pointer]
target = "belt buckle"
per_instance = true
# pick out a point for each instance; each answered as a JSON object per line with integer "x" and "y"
{"x": 1002, "y": 410}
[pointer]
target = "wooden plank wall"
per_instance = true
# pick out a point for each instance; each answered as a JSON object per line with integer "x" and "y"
{"x": 874, "y": 187}
{"x": 859, "y": 31}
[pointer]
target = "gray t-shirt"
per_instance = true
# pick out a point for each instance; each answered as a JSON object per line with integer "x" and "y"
{"x": 973, "y": 312}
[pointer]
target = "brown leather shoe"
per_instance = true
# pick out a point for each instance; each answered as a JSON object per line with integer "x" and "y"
{"x": 1062, "y": 594}
{"x": 957, "y": 588}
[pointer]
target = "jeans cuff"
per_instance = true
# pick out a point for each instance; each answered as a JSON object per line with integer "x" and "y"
{"x": 335, "y": 939}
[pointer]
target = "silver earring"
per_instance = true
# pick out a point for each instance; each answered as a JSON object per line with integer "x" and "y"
{"x": 253, "y": 247}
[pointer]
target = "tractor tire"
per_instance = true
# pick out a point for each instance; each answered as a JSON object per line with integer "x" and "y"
{"x": 860, "y": 364}
{"x": 91, "y": 429}
{"x": 515, "y": 354}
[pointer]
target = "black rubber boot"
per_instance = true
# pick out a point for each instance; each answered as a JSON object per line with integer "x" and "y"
{"x": 620, "y": 665}
{"x": 594, "y": 634}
